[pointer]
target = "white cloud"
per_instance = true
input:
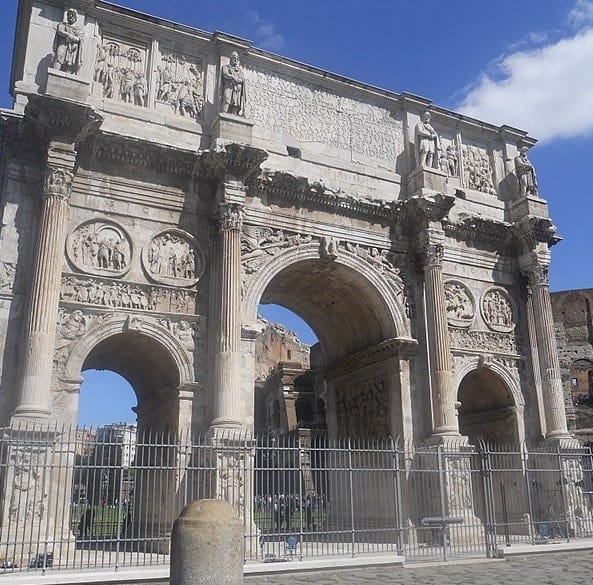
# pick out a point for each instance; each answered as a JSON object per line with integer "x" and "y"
{"x": 581, "y": 13}
{"x": 546, "y": 91}
{"x": 266, "y": 35}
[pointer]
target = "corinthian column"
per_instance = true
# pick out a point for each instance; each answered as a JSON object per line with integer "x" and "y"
{"x": 40, "y": 324}
{"x": 553, "y": 395}
{"x": 227, "y": 408}
{"x": 439, "y": 353}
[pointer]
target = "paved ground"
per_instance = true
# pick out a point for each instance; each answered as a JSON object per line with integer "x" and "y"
{"x": 574, "y": 568}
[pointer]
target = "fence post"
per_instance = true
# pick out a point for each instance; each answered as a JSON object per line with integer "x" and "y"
{"x": 397, "y": 494}
{"x": 486, "y": 472}
{"x": 351, "y": 487}
{"x": 207, "y": 545}
{"x": 442, "y": 483}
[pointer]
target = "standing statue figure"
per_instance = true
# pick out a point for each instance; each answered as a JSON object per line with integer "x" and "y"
{"x": 427, "y": 143}
{"x": 525, "y": 173}
{"x": 68, "y": 44}
{"x": 232, "y": 85}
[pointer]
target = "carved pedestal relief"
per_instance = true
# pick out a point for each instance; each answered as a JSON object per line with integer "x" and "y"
{"x": 459, "y": 303}
{"x": 497, "y": 310}
{"x": 120, "y": 71}
{"x": 173, "y": 257}
{"x": 180, "y": 84}
{"x": 100, "y": 247}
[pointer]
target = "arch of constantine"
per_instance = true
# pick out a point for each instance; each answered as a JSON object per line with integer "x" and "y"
{"x": 159, "y": 182}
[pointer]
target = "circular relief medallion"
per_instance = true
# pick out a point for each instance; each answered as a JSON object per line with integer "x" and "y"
{"x": 497, "y": 310}
{"x": 460, "y": 304}
{"x": 100, "y": 246}
{"x": 173, "y": 257}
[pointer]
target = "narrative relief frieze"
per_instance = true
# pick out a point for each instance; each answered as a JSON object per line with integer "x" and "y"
{"x": 497, "y": 310}
{"x": 120, "y": 295}
{"x": 362, "y": 409}
{"x": 101, "y": 247}
{"x": 460, "y": 304}
{"x": 488, "y": 341}
{"x": 173, "y": 257}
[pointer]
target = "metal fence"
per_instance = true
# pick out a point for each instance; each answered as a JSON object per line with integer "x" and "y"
{"x": 85, "y": 498}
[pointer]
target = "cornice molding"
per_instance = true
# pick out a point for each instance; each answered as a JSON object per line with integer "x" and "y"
{"x": 396, "y": 347}
{"x": 305, "y": 193}
{"x": 49, "y": 118}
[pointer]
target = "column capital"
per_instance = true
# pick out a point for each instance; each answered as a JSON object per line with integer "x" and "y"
{"x": 230, "y": 216}
{"x": 537, "y": 275}
{"x": 535, "y": 268}
{"x": 431, "y": 255}
{"x": 57, "y": 183}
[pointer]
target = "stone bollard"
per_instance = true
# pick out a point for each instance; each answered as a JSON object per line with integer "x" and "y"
{"x": 207, "y": 545}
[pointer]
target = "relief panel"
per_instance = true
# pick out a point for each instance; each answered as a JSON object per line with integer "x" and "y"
{"x": 180, "y": 84}
{"x": 120, "y": 71}
{"x": 460, "y": 304}
{"x": 173, "y": 257}
{"x": 101, "y": 247}
{"x": 497, "y": 310}
{"x": 477, "y": 169}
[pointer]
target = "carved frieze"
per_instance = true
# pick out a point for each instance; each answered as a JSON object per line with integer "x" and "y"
{"x": 180, "y": 84}
{"x": 477, "y": 170}
{"x": 497, "y": 310}
{"x": 362, "y": 409}
{"x": 460, "y": 304}
{"x": 173, "y": 257}
{"x": 483, "y": 341}
{"x": 101, "y": 247}
{"x": 260, "y": 243}
{"x": 120, "y": 71}
{"x": 118, "y": 295}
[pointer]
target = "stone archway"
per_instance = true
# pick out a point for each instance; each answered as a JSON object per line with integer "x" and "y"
{"x": 356, "y": 304}
{"x": 154, "y": 360}
{"x": 487, "y": 407}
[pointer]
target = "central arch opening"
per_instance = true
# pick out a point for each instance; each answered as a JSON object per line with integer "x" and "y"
{"x": 355, "y": 395}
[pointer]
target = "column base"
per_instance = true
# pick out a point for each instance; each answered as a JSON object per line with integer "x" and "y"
{"x": 226, "y": 423}
{"x": 26, "y": 412}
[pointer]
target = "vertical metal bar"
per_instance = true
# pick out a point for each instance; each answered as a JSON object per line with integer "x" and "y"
{"x": 397, "y": 494}
{"x": 442, "y": 488}
{"x": 351, "y": 488}
{"x": 563, "y": 482}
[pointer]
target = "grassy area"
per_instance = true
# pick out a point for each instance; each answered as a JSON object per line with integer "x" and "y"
{"x": 97, "y": 521}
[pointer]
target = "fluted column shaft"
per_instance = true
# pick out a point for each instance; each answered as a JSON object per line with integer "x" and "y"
{"x": 228, "y": 358}
{"x": 439, "y": 352}
{"x": 41, "y": 317}
{"x": 553, "y": 394}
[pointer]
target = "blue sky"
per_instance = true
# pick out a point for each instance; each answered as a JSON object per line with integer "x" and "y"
{"x": 526, "y": 63}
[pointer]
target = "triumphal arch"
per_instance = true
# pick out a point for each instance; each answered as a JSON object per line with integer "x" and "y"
{"x": 159, "y": 182}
